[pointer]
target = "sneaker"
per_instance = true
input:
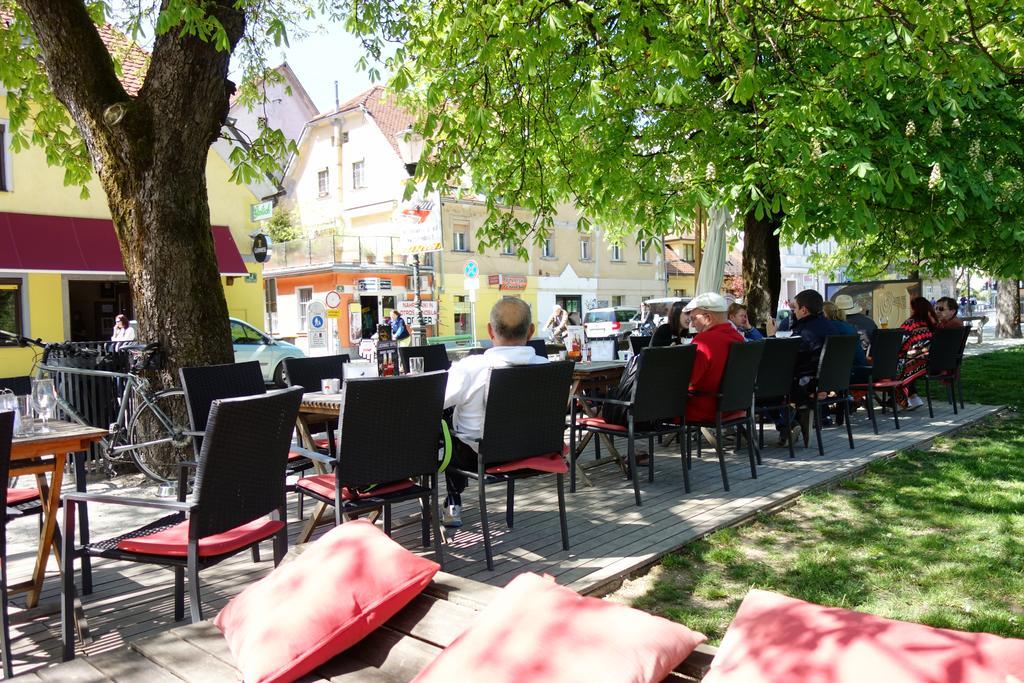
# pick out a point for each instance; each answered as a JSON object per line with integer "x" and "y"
{"x": 914, "y": 402}
{"x": 452, "y": 517}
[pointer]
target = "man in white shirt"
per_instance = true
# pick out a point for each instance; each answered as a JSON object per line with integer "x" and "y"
{"x": 509, "y": 328}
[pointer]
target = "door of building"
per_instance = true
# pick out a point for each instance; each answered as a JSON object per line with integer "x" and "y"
{"x": 93, "y": 305}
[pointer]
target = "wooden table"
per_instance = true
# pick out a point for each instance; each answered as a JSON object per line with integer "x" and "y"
{"x": 595, "y": 376}
{"x": 396, "y": 651}
{"x": 315, "y": 406}
{"x": 40, "y": 454}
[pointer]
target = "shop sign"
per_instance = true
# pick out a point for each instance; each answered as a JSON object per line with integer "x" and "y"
{"x": 261, "y": 211}
{"x": 507, "y": 282}
{"x": 373, "y": 284}
{"x": 261, "y": 248}
{"x": 419, "y": 229}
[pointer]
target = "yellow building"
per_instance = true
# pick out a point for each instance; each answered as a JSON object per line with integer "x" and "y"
{"x": 61, "y": 276}
{"x": 681, "y": 257}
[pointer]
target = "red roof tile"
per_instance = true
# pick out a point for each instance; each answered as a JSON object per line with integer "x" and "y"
{"x": 389, "y": 116}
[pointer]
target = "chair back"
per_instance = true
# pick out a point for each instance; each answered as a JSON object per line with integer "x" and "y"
{"x": 740, "y": 376}
{"x": 944, "y": 350}
{"x": 206, "y": 384}
{"x": 435, "y": 357}
{"x": 540, "y": 346}
{"x": 885, "y": 353}
{"x": 241, "y": 474}
{"x": 662, "y": 382}
{"x": 525, "y": 413}
{"x": 22, "y": 386}
{"x": 6, "y": 436}
{"x": 966, "y": 329}
{"x": 307, "y": 372}
{"x": 776, "y": 370}
{"x": 389, "y": 428}
{"x": 837, "y": 361}
{"x": 638, "y": 344}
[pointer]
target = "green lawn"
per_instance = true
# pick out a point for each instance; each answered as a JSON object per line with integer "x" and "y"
{"x": 932, "y": 536}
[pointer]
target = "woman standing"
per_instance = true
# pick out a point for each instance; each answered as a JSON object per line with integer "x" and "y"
{"x": 917, "y": 336}
{"x": 399, "y": 330}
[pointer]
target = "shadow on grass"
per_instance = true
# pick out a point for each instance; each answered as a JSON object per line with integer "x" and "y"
{"x": 930, "y": 536}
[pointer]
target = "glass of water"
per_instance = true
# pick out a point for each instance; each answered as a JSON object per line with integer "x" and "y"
{"x": 44, "y": 399}
{"x": 415, "y": 365}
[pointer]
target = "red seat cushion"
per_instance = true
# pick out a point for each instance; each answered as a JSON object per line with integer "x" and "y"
{"x": 19, "y": 496}
{"x": 173, "y": 542}
{"x": 293, "y": 456}
{"x": 774, "y": 638}
{"x": 322, "y": 442}
{"x": 536, "y": 630}
{"x": 326, "y": 600}
{"x": 599, "y": 422}
{"x": 323, "y": 485}
{"x": 552, "y": 462}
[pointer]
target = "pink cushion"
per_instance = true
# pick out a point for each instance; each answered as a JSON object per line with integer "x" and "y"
{"x": 330, "y": 597}
{"x": 600, "y": 423}
{"x": 174, "y": 541}
{"x": 552, "y": 462}
{"x": 18, "y": 496}
{"x": 323, "y": 485}
{"x": 536, "y": 630}
{"x": 777, "y": 638}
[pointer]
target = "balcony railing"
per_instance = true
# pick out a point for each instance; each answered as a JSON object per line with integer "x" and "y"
{"x": 329, "y": 250}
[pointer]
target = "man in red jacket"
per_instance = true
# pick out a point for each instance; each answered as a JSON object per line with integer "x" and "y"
{"x": 715, "y": 334}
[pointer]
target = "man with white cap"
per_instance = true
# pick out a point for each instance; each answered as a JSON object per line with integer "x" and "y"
{"x": 715, "y": 334}
{"x": 855, "y": 316}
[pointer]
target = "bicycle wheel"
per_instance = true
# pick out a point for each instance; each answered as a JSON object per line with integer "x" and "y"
{"x": 160, "y": 461}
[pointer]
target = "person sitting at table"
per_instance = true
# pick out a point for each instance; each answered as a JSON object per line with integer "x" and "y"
{"x": 786, "y": 324}
{"x": 855, "y": 316}
{"x": 715, "y": 334}
{"x": 917, "y": 336}
{"x": 946, "y": 310}
{"x": 861, "y": 371}
{"x": 812, "y": 328}
{"x": 738, "y": 317}
{"x": 674, "y": 328}
{"x": 509, "y": 328}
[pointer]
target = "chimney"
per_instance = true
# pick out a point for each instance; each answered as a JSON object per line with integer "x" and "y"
{"x": 337, "y": 102}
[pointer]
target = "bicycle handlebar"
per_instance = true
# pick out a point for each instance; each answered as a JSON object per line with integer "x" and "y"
{"x": 23, "y": 341}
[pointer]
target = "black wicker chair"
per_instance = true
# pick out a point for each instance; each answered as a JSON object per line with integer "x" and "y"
{"x": 884, "y": 373}
{"x": 308, "y": 373}
{"x": 735, "y": 404}
{"x": 539, "y": 346}
{"x": 523, "y": 436}
{"x": 239, "y": 482}
{"x": 25, "y": 500}
{"x": 638, "y": 344}
{"x": 435, "y": 357}
{"x": 373, "y": 470}
{"x": 6, "y": 434}
{"x": 658, "y": 398}
{"x": 775, "y": 382}
{"x": 833, "y": 380}
{"x": 945, "y": 355}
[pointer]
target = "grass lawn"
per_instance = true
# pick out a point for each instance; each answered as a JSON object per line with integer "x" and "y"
{"x": 934, "y": 536}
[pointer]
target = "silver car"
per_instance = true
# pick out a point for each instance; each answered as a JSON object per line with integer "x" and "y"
{"x": 252, "y": 344}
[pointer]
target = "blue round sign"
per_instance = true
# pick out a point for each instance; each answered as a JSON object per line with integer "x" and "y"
{"x": 316, "y": 322}
{"x": 471, "y": 270}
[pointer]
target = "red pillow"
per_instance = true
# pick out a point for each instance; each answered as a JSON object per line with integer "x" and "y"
{"x": 328, "y": 599}
{"x": 536, "y": 630}
{"x": 777, "y": 638}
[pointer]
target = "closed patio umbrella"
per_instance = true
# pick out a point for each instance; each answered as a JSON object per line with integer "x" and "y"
{"x": 712, "y": 264}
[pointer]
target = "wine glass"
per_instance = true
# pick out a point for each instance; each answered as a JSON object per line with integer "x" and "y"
{"x": 43, "y": 398}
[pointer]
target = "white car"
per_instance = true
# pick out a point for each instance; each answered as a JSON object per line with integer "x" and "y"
{"x": 609, "y": 323}
{"x": 252, "y": 344}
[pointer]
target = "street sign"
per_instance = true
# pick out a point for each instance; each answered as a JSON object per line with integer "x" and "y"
{"x": 261, "y": 248}
{"x": 333, "y": 313}
{"x": 318, "y": 339}
{"x": 408, "y": 311}
{"x": 316, "y": 322}
{"x": 471, "y": 270}
{"x": 316, "y": 312}
{"x": 471, "y": 284}
{"x": 261, "y": 211}
{"x": 419, "y": 228}
{"x": 471, "y": 294}
{"x": 332, "y": 300}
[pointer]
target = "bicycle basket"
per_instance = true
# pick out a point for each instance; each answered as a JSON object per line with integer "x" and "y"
{"x": 148, "y": 357}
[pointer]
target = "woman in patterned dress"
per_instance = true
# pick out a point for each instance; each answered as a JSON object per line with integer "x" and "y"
{"x": 917, "y": 336}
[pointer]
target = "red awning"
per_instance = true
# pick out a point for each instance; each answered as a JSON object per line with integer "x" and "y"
{"x": 83, "y": 245}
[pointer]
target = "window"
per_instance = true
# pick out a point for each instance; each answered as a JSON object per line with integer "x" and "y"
{"x": 547, "y": 250}
{"x": 617, "y": 300}
{"x": 303, "y": 295}
{"x": 644, "y": 245}
{"x": 584, "y": 250}
{"x": 4, "y": 187}
{"x": 323, "y": 182}
{"x": 358, "y": 174}
{"x": 427, "y": 259}
{"x": 508, "y": 248}
{"x": 616, "y": 252}
{"x": 245, "y": 335}
{"x": 460, "y": 315}
{"x": 270, "y": 303}
{"x": 686, "y": 252}
{"x": 460, "y": 236}
{"x": 10, "y": 307}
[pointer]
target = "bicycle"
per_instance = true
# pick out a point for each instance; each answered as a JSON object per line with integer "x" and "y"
{"x": 145, "y": 421}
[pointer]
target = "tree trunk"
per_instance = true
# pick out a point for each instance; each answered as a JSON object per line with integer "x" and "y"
{"x": 762, "y": 267}
{"x": 1008, "y": 310}
{"x": 151, "y": 162}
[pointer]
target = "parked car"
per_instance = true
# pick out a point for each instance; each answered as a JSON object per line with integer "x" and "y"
{"x": 617, "y": 323}
{"x": 252, "y": 344}
{"x": 662, "y": 305}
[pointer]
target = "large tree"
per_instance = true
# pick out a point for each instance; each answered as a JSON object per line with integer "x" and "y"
{"x": 859, "y": 119}
{"x": 61, "y": 64}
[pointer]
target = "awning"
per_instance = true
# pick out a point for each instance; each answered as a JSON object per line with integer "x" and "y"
{"x": 83, "y": 245}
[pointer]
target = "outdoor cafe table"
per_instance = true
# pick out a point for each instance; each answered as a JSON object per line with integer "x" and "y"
{"x": 601, "y": 377}
{"x": 42, "y": 454}
{"x": 315, "y": 406}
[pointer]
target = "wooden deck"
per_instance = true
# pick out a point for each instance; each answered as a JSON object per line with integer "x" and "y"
{"x": 610, "y": 537}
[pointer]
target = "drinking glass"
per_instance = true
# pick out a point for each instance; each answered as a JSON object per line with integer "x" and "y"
{"x": 44, "y": 398}
{"x": 415, "y": 365}
{"x": 883, "y": 322}
{"x": 783, "y": 334}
